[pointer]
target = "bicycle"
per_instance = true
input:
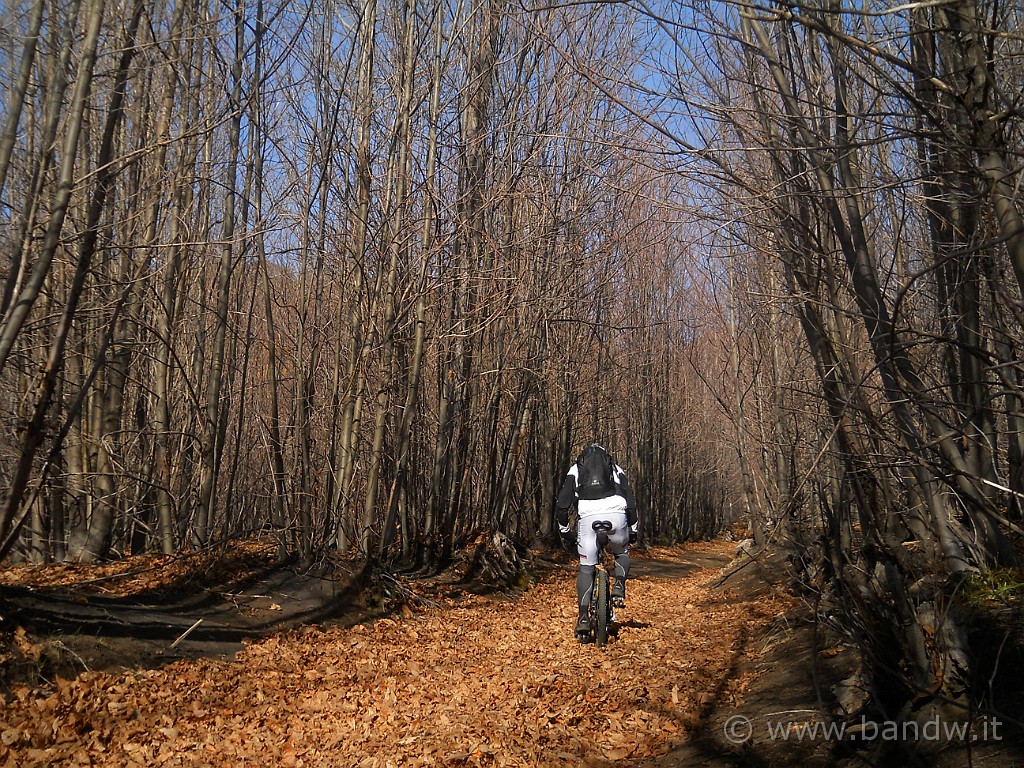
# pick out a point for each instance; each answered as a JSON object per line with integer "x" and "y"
{"x": 602, "y": 610}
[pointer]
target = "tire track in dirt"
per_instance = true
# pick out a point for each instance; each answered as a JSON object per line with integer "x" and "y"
{"x": 488, "y": 681}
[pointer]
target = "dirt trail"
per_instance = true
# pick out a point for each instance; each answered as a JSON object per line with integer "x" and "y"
{"x": 496, "y": 681}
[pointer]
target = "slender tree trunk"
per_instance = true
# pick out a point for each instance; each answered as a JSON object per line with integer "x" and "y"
{"x": 166, "y": 304}
{"x": 351, "y": 416}
{"x": 216, "y": 410}
{"x": 403, "y": 448}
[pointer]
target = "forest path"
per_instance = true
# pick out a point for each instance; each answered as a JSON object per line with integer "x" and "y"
{"x": 478, "y": 680}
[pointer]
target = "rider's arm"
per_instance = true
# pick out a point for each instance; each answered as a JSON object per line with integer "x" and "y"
{"x": 627, "y": 493}
{"x": 566, "y": 498}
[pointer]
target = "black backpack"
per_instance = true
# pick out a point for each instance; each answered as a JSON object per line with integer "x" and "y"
{"x": 596, "y": 474}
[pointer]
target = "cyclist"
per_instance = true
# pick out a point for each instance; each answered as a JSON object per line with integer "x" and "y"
{"x": 598, "y": 487}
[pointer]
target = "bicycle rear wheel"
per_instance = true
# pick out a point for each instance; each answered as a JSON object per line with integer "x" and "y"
{"x": 604, "y": 608}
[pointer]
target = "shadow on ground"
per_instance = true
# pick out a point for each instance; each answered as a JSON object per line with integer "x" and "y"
{"x": 794, "y": 673}
{"x": 86, "y": 632}
{"x": 678, "y": 568}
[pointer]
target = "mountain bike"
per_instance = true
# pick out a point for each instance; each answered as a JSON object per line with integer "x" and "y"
{"x": 602, "y": 613}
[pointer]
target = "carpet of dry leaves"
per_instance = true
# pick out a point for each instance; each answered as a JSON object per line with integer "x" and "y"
{"x": 495, "y": 681}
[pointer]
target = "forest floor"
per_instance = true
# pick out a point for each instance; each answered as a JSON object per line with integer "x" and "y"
{"x": 372, "y": 670}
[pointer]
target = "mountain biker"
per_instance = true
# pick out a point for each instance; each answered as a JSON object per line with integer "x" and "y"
{"x": 598, "y": 487}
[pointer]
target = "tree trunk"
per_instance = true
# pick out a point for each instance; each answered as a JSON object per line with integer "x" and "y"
{"x": 215, "y": 415}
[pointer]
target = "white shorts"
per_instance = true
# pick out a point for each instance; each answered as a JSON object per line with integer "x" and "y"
{"x": 612, "y": 509}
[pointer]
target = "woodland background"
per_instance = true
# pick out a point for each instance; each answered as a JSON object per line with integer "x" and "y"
{"x": 364, "y": 276}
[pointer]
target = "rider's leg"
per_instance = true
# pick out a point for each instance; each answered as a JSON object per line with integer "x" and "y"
{"x": 584, "y": 591}
{"x": 618, "y": 544}
{"x": 622, "y": 566}
{"x": 586, "y": 544}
